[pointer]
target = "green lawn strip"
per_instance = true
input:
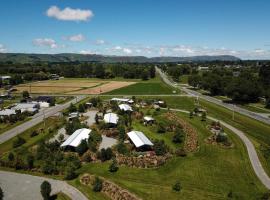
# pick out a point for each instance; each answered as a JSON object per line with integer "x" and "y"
{"x": 255, "y": 108}
{"x": 184, "y": 79}
{"x": 8, "y": 126}
{"x": 211, "y": 173}
{"x": 62, "y": 196}
{"x": 63, "y": 99}
{"x": 30, "y": 141}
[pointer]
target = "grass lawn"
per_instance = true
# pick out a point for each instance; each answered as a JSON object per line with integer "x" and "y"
{"x": 51, "y": 123}
{"x": 62, "y": 196}
{"x": 211, "y": 173}
{"x": 7, "y": 126}
{"x": 153, "y": 86}
{"x": 257, "y": 131}
{"x": 184, "y": 79}
{"x": 256, "y": 107}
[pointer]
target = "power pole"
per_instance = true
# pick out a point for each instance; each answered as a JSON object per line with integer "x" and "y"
{"x": 233, "y": 112}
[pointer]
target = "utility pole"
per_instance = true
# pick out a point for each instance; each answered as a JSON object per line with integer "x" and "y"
{"x": 233, "y": 112}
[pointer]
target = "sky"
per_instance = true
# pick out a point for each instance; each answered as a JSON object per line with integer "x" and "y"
{"x": 137, "y": 27}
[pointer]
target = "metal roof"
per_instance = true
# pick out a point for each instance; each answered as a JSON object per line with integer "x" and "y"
{"x": 147, "y": 118}
{"x": 75, "y": 139}
{"x": 139, "y": 139}
{"x": 7, "y": 112}
{"x": 111, "y": 118}
{"x": 125, "y": 107}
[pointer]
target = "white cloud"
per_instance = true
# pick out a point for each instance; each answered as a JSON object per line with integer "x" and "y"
{"x": 100, "y": 42}
{"x": 117, "y": 48}
{"x": 2, "y": 49}
{"x": 86, "y": 52}
{"x": 69, "y": 14}
{"x": 127, "y": 51}
{"x": 48, "y": 42}
{"x": 76, "y": 38}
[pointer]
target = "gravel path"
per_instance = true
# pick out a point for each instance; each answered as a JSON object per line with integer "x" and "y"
{"x": 107, "y": 142}
{"x": 253, "y": 157}
{"x": 25, "y": 187}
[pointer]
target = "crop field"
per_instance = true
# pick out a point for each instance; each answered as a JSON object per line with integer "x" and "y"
{"x": 72, "y": 86}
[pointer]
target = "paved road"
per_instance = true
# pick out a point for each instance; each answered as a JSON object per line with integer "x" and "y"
{"x": 253, "y": 157}
{"x": 39, "y": 117}
{"x": 25, "y": 187}
{"x": 242, "y": 111}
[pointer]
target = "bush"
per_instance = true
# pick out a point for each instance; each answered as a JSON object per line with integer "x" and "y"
{"x": 203, "y": 116}
{"x": 105, "y": 154}
{"x": 82, "y": 148}
{"x": 10, "y": 156}
{"x": 70, "y": 173}
{"x": 30, "y": 161}
{"x": 97, "y": 185}
{"x": 178, "y": 135}
{"x": 161, "y": 128}
{"x": 72, "y": 108}
{"x": 18, "y": 142}
{"x": 34, "y": 133}
{"x": 1, "y": 194}
{"x": 121, "y": 148}
{"x": 177, "y": 186}
{"x": 160, "y": 147}
{"x": 181, "y": 152}
{"x": 45, "y": 190}
{"x": 113, "y": 167}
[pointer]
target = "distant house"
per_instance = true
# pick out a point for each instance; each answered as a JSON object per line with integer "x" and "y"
{"x": 203, "y": 68}
{"x": 73, "y": 115}
{"x": 47, "y": 99}
{"x": 54, "y": 77}
{"x": 75, "y": 139}
{"x": 111, "y": 118}
{"x": 148, "y": 120}
{"x": 5, "y": 79}
{"x": 140, "y": 141}
{"x": 125, "y": 107}
{"x": 7, "y": 112}
{"x": 122, "y": 100}
{"x": 27, "y": 107}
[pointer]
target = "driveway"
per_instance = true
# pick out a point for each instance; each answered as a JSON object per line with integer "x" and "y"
{"x": 91, "y": 114}
{"x": 25, "y": 187}
{"x": 253, "y": 157}
{"x": 107, "y": 142}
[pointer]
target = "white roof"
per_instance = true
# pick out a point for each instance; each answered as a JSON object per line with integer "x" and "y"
{"x": 120, "y": 99}
{"x": 111, "y": 118}
{"x": 7, "y": 112}
{"x": 20, "y": 106}
{"x": 5, "y": 77}
{"x": 147, "y": 118}
{"x": 125, "y": 107}
{"x": 139, "y": 139}
{"x": 75, "y": 139}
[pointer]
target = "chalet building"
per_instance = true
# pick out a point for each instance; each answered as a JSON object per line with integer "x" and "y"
{"x": 111, "y": 118}
{"x": 125, "y": 107}
{"x": 76, "y": 138}
{"x": 140, "y": 141}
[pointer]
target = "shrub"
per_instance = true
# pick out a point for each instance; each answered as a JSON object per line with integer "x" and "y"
{"x": 161, "y": 128}
{"x": 45, "y": 190}
{"x": 18, "y": 142}
{"x": 113, "y": 167}
{"x": 70, "y": 173}
{"x": 105, "y": 154}
{"x": 97, "y": 185}
{"x": 72, "y": 108}
{"x": 203, "y": 116}
{"x": 160, "y": 147}
{"x": 178, "y": 135}
{"x": 121, "y": 148}
{"x": 82, "y": 148}
{"x": 177, "y": 186}
{"x": 10, "y": 156}
{"x": 30, "y": 161}
{"x": 34, "y": 133}
{"x": 180, "y": 152}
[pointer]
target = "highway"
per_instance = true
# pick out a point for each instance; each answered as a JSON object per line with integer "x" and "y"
{"x": 231, "y": 107}
{"x": 39, "y": 117}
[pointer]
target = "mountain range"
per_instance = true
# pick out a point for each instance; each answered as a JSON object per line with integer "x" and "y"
{"x": 70, "y": 57}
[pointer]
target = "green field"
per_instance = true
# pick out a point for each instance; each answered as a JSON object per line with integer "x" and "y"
{"x": 210, "y": 173}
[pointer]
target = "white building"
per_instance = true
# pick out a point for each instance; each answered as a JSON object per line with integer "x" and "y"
{"x": 122, "y": 100}
{"x": 139, "y": 139}
{"x": 75, "y": 139}
{"x": 125, "y": 107}
{"x": 29, "y": 107}
{"x": 111, "y": 118}
{"x": 148, "y": 119}
{"x": 7, "y": 112}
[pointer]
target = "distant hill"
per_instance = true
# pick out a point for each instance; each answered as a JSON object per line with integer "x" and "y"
{"x": 70, "y": 57}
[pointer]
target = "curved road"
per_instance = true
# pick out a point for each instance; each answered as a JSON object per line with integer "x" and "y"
{"x": 231, "y": 107}
{"x": 24, "y": 187}
{"x": 253, "y": 157}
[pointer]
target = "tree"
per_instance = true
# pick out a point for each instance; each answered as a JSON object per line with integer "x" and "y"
{"x": 191, "y": 114}
{"x": 178, "y": 135}
{"x": 160, "y": 147}
{"x": 72, "y": 108}
{"x": 177, "y": 186}
{"x": 194, "y": 80}
{"x": 11, "y": 156}
{"x": 96, "y": 119}
{"x": 122, "y": 132}
{"x": 161, "y": 127}
{"x": 18, "y": 142}
{"x": 30, "y": 161}
{"x": 1, "y": 194}
{"x": 203, "y": 116}
{"x": 25, "y": 94}
{"x": 81, "y": 108}
{"x": 121, "y": 148}
{"x": 113, "y": 167}
{"x": 97, "y": 185}
{"x": 152, "y": 71}
{"x": 45, "y": 190}
{"x": 70, "y": 173}
{"x": 82, "y": 148}
{"x": 145, "y": 75}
